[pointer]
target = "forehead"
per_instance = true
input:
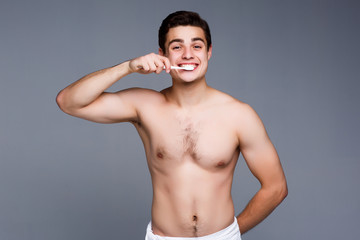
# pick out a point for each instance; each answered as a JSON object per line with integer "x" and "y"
{"x": 186, "y": 33}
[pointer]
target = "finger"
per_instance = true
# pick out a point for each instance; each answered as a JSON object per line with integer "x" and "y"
{"x": 159, "y": 69}
{"x": 152, "y": 67}
{"x": 159, "y": 65}
{"x": 167, "y": 64}
{"x": 148, "y": 63}
{"x": 145, "y": 67}
{"x": 139, "y": 65}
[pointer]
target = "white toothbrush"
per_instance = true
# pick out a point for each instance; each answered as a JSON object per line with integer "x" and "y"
{"x": 187, "y": 67}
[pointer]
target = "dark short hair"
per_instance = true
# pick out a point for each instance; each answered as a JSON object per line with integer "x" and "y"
{"x": 183, "y": 18}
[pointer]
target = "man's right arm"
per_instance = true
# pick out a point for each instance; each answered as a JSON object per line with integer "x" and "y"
{"x": 87, "y": 99}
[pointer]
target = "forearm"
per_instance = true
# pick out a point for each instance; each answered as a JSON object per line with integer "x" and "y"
{"x": 260, "y": 206}
{"x": 87, "y": 89}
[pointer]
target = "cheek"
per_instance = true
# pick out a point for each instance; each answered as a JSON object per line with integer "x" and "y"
{"x": 173, "y": 57}
{"x": 204, "y": 58}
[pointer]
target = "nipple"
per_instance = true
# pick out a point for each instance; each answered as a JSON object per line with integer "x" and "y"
{"x": 221, "y": 164}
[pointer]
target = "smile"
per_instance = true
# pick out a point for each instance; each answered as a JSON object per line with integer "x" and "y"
{"x": 189, "y": 66}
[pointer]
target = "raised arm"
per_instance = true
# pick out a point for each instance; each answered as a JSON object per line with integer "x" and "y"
{"x": 263, "y": 161}
{"x": 86, "y": 98}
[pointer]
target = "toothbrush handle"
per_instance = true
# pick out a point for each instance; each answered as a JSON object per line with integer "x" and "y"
{"x": 175, "y": 67}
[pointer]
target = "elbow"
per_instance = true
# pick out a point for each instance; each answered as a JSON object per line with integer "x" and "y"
{"x": 278, "y": 192}
{"x": 61, "y": 102}
{"x": 282, "y": 191}
{"x": 285, "y": 192}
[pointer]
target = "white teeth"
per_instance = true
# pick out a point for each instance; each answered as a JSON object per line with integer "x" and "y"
{"x": 188, "y": 67}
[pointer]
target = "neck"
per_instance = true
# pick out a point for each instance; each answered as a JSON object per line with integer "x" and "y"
{"x": 188, "y": 94}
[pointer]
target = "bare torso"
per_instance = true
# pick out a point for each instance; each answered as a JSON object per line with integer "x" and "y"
{"x": 191, "y": 155}
{"x": 192, "y": 136}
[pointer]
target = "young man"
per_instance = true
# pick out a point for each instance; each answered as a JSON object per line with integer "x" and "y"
{"x": 192, "y": 134}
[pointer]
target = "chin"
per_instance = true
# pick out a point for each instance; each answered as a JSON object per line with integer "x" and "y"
{"x": 187, "y": 78}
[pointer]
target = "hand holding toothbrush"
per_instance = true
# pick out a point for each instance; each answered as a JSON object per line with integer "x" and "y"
{"x": 154, "y": 63}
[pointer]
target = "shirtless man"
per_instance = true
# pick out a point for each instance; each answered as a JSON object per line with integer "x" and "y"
{"x": 192, "y": 134}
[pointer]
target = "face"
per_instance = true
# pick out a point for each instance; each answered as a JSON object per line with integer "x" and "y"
{"x": 186, "y": 45}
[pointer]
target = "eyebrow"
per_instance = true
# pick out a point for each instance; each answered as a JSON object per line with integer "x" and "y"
{"x": 182, "y": 41}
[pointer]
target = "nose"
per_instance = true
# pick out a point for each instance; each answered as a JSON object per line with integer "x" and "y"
{"x": 187, "y": 53}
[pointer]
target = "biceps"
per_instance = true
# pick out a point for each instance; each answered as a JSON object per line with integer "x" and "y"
{"x": 109, "y": 108}
{"x": 258, "y": 151}
{"x": 264, "y": 163}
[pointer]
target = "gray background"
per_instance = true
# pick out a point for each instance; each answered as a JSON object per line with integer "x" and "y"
{"x": 295, "y": 62}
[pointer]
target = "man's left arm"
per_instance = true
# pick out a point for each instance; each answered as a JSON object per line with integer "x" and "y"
{"x": 263, "y": 161}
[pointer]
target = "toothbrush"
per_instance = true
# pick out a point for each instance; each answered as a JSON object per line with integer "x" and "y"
{"x": 187, "y": 68}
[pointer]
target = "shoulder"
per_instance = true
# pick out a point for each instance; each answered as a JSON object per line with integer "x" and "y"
{"x": 238, "y": 113}
{"x": 247, "y": 124}
{"x": 235, "y": 106}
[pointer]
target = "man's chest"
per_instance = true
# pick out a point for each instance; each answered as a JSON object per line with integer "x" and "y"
{"x": 207, "y": 137}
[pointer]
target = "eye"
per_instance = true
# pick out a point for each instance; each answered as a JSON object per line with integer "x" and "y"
{"x": 197, "y": 46}
{"x": 175, "y": 47}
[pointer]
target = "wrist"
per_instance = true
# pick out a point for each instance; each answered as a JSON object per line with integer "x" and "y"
{"x": 123, "y": 69}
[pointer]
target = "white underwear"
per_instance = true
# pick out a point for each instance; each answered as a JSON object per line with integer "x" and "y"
{"x": 232, "y": 232}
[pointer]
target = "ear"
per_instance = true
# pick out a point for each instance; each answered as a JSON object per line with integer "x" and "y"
{"x": 161, "y": 52}
{"x": 210, "y": 52}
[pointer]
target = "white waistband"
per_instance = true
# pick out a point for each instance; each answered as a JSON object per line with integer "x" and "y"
{"x": 231, "y": 232}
